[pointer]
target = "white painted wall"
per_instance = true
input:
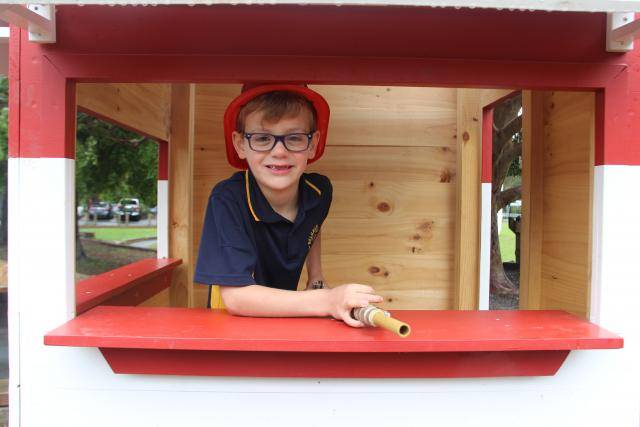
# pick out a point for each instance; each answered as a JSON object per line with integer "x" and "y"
{"x": 162, "y": 221}
{"x": 75, "y": 387}
{"x": 41, "y": 275}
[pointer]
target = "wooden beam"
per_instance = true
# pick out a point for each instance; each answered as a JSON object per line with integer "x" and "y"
{"x": 143, "y": 108}
{"x": 181, "y": 144}
{"x": 532, "y": 200}
{"x": 468, "y": 181}
{"x": 38, "y": 19}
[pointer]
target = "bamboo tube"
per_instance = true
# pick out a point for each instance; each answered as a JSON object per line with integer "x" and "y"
{"x": 373, "y": 316}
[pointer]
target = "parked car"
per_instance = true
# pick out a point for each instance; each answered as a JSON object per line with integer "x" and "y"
{"x": 103, "y": 210}
{"x": 131, "y": 206}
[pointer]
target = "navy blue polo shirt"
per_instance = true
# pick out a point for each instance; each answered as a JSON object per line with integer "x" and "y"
{"x": 245, "y": 242}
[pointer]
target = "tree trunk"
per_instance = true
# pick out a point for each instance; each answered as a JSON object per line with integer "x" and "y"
{"x": 80, "y": 253}
{"x": 504, "y": 151}
{"x": 4, "y": 230}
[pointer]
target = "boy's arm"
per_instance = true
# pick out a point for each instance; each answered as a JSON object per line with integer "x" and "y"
{"x": 262, "y": 301}
{"x": 314, "y": 265}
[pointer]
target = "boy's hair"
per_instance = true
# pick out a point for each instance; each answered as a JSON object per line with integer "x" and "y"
{"x": 276, "y": 105}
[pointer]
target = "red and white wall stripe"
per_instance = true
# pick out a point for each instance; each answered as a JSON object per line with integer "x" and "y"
{"x": 162, "y": 220}
{"x": 485, "y": 209}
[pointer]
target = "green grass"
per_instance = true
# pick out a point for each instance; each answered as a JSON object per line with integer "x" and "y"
{"x": 507, "y": 243}
{"x": 101, "y": 258}
{"x": 118, "y": 234}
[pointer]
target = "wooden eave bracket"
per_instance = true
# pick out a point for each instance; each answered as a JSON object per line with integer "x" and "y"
{"x": 38, "y": 19}
{"x": 622, "y": 30}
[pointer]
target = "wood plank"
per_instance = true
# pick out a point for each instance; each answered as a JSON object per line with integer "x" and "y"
{"x": 144, "y": 107}
{"x": 394, "y": 198}
{"x": 491, "y": 96}
{"x": 423, "y": 282}
{"x": 467, "y": 213}
{"x": 532, "y": 200}
{"x": 181, "y": 192}
{"x": 567, "y": 207}
{"x": 391, "y": 116}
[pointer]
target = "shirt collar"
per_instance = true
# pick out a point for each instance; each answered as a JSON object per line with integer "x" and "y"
{"x": 259, "y": 208}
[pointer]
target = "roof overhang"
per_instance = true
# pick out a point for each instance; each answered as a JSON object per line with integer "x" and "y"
{"x": 548, "y": 5}
{"x": 622, "y": 29}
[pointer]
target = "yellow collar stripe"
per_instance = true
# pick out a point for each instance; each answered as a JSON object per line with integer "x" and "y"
{"x": 314, "y": 187}
{"x": 246, "y": 182}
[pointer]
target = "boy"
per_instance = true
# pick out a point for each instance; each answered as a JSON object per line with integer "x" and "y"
{"x": 261, "y": 224}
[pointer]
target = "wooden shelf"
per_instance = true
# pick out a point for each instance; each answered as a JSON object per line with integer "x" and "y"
{"x": 179, "y": 341}
{"x": 127, "y": 285}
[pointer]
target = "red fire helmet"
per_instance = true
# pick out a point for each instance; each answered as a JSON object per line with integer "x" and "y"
{"x": 250, "y": 92}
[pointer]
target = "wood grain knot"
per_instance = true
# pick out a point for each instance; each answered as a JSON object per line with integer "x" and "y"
{"x": 465, "y": 136}
{"x": 416, "y": 237}
{"x": 377, "y": 271}
{"x": 445, "y": 176}
{"x": 384, "y": 207}
{"x": 371, "y": 184}
{"x": 426, "y": 226}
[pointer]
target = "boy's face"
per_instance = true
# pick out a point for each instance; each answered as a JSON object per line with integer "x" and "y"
{"x": 278, "y": 169}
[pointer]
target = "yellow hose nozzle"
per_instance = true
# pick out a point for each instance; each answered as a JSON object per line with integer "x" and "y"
{"x": 376, "y": 317}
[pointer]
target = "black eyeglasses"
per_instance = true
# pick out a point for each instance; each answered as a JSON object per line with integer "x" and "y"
{"x": 265, "y": 141}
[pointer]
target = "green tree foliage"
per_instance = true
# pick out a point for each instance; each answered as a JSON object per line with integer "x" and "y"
{"x": 112, "y": 163}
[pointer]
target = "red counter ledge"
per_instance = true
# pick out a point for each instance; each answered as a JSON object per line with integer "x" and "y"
{"x": 127, "y": 285}
{"x": 442, "y": 344}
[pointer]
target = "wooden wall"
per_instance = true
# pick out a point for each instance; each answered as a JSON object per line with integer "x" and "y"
{"x": 144, "y": 108}
{"x": 391, "y": 157}
{"x": 558, "y": 170}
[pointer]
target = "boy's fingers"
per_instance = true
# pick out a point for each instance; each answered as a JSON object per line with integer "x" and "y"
{"x": 346, "y": 317}
{"x": 362, "y": 288}
{"x": 375, "y": 298}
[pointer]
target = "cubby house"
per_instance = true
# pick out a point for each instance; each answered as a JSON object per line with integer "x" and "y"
{"x": 411, "y": 90}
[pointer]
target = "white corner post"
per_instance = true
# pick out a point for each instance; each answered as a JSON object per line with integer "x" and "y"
{"x": 41, "y": 183}
{"x": 162, "y": 219}
{"x": 484, "y": 280}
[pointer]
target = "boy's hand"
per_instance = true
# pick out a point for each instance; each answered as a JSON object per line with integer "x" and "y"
{"x": 345, "y": 297}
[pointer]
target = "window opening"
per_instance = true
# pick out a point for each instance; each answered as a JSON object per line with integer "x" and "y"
{"x": 116, "y": 196}
{"x": 506, "y": 202}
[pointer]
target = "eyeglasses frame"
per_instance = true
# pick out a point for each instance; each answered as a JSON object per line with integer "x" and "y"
{"x": 280, "y": 138}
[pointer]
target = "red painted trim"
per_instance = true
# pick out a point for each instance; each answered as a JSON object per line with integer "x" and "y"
{"x": 599, "y": 128}
{"x": 341, "y": 31}
{"x": 107, "y": 44}
{"x": 125, "y": 286}
{"x": 14, "y": 92}
{"x": 432, "y": 331}
{"x": 47, "y": 107}
{"x": 487, "y": 144}
{"x": 163, "y": 160}
{"x": 334, "y": 70}
{"x": 117, "y": 123}
{"x": 335, "y": 365}
{"x": 616, "y": 143}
